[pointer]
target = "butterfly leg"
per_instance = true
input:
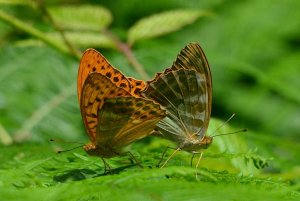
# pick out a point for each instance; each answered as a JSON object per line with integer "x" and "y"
{"x": 163, "y": 155}
{"x": 198, "y": 162}
{"x": 134, "y": 159}
{"x": 178, "y": 149}
{"x": 106, "y": 166}
{"x": 194, "y": 154}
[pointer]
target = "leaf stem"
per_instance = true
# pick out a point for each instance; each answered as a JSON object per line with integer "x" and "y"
{"x": 24, "y": 132}
{"x": 5, "y": 138}
{"x": 33, "y": 31}
{"x": 75, "y": 52}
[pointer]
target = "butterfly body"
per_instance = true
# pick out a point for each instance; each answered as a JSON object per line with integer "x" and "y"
{"x": 103, "y": 151}
{"x": 194, "y": 144}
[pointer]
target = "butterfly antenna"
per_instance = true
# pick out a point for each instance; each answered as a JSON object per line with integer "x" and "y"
{"x": 69, "y": 142}
{"x": 224, "y": 123}
{"x": 63, "y": 151}
{"x": 241, "y": 131}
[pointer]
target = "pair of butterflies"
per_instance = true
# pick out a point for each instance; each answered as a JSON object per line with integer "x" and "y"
{"x": 117, "y": 110}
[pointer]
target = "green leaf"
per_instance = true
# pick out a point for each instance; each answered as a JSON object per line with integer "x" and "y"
{"x": 45, "y": 81}
{"x": 80, "y": 39}
{"x": 230, "y": 145}
{"x": 17, "y": 2}
{"x": 161, "y": 24}
{"x": 31, "y": 170}
{"x": 5, "y": 138}
{"x": 29, "y": 29}
{"x": 83, "y": 17}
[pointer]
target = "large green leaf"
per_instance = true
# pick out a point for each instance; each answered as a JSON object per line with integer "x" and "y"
{"x": 83, "y": 17}
{"x": 16, "y": 2}
{"x": 162, "y": 23}
{"x": 80, "y": 39}
{"x": 30, "y": 171}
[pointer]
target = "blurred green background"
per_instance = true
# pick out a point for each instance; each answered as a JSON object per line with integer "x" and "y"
{"x": 253, "y": 48}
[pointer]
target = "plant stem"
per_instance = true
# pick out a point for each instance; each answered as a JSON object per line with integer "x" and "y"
{"x": 24, "y": 132}
{"x": 5, "y": 138}
{"x": 72, "y": 49}
{"x": 34, "y": 32}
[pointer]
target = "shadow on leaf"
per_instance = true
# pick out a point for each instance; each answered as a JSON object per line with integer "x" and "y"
{"x": 81, "y": 174}
{"x": 75, "y": 175}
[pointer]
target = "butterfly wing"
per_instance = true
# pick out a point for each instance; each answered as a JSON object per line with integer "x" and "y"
{"x": 96, "y": 88}
{"x": 184, "y": 95}
{"x": 94, "y": 62}
{"x": 123, "y": 120}
{"x": 193, "y": 57}
{"x": 136, "y": 86}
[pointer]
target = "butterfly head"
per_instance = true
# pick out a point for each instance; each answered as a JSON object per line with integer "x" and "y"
{"x": 103, "y": 152}
{"x": 196, "y": 144}
{"x": 206, "y": 142}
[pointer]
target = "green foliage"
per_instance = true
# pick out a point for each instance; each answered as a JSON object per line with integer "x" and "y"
{"x": 83, "y": 17}
{"x": 256, "y": 64}
{"x": 38, "y": 171}
{"x": 161, "y": 24}
{"x": 43, "y": 98}
{"x": 253, "y": 50}
{"x": 82, "y": 39}
{"x": 16, "y": 2}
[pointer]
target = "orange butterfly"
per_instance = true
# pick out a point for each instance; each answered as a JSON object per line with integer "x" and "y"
{"x": 113, "y": 112}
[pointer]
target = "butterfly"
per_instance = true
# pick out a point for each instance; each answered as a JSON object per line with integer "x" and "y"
{"x": 185, "y": 90}
{"x": 113, "y": 111}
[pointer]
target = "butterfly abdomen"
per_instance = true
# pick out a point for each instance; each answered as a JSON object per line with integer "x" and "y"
{"x": 100, "y": 151}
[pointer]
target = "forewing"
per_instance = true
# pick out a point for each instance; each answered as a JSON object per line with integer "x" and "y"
{"x": 193, "y": 57}
{"x": 96, "y": 88}
{"x": 123, "y": 120}
{"x": 92, "y": 61}
{"x": 184, "y": 95}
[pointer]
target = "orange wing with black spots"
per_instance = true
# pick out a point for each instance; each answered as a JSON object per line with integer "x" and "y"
{"x": 113, "y": 117}
{"x": 96, "y": 89}
{"x": 113, "y": 111}
{"x": 136, "y": 86}
{"x": 93, "y": 61}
